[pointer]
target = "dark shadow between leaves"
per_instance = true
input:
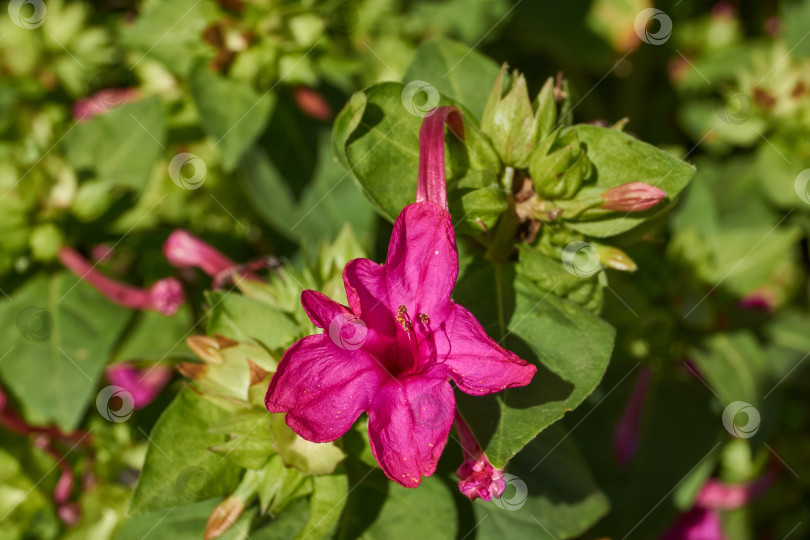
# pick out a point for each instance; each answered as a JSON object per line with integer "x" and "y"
{"x": 546, "y": 387}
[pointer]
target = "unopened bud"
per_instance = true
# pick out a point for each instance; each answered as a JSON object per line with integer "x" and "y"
{"x": 632, "y": 197}
{"x": 223, "y": 517}
{"x": 613, "y": 257}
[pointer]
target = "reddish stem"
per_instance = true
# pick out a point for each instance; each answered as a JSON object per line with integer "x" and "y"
{"x": 432, "y": 182}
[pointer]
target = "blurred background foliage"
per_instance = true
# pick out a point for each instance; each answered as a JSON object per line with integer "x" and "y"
{"x": 718, "y": 310}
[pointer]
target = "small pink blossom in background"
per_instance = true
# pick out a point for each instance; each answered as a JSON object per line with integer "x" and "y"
{"x": 763, "y": 299}
{"x": 103, "y": 100}
{"x": 632, "y": 197}
{"x": 311, "y": 103}
{"x": 627, "y": 435}
{"x": 164, "y": 296}
{"x": 697, "y": 524}
{"x": 408, "y": 338}
{"x": 144, "y": 384}
{"x": 703, "y": 521}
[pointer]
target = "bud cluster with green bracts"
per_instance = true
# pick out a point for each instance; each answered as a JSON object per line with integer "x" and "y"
{"x": 528, "y": 185}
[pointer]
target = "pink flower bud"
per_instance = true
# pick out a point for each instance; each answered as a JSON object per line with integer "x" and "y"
{"x": 311, "y": 103}
{"x": 144, "y": 385}
{"x": 164, "y": 296}
{"x": 101, "y": 101}
{"x": 632, "y": 197}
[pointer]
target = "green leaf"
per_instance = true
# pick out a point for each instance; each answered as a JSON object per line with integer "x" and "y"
{"x": 58, "y": 333}
{"x": 455, "y": 70}
{"x": 230, "y": 112}
{"x": 180, "y": 523}
{"x": 250, "y": 442}
{"x": 171, "y": 33}
{"x": 313, "y": 212}
{"x": 244, "y": 319}
{"x": 329, "y": 494}
{"x": 382, "y": 151}
{"x": 545, "y": 330}
{"x": 179, "y": 468}
{"x": 120, "y": 146}
{"x": 734, "y": 365}
{"x": 550, "y": 494}
{"x": 308, "y": 457}
{"x": 619, "y": 158}
{"x": 380, "y": 509}
{"x": 157, "y": 337}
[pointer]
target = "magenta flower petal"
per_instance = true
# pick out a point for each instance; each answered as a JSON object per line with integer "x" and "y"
{"x": 476, "y": 363}
{"x": 321, "y": 309}
{"x": 422, "y": 262}
{"x": 323, "y": 388}
{"x": 408, "y": 427}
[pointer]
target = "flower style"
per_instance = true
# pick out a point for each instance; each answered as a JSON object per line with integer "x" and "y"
{"x": 393, "y": 351}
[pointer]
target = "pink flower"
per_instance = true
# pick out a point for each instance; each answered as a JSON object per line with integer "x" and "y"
{"x": 165, "y": 296}
{"x": 632, "y": 197}
{"x": 719, "y": 495}
{"x": 697, "y": 524}
{"x": 185, "y": 250}
{"x": 101, "y": 101}
{"x": 627, "y": 435}
{"x": 703, "y": 522}
{"x": 393, "y": 351}
{"x": 477, "y": 478}
{"x": 144, "y": 385}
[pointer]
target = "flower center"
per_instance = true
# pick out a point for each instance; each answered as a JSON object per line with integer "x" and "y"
{"x": 410, "y": 362}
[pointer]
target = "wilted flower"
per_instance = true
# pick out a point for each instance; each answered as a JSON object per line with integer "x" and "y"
{"x": 477, "y": 478}
{"x": 185, "y": 250}
{"x": 164, "y": 296}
